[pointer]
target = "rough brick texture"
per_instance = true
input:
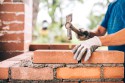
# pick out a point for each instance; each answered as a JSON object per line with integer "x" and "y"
{"x": 16, "y": 33}
{"x": 78, "y": 73}
{"x": 34, "y": 47}
{"x": 12, "y": 7}
{"x": 11, "y": 17}
{"x": 23, "y": 70}
{"x": 4, "y": 73}
{"x": 5, "y": 55}
{"x": 12, "y": 27}
{"x": 12, "y": 37}
{"x": 66, "y": 56}
{"x": 32, "y": 73}
{"x": 113, "y": 72}
{"x": 106, "y": 57}
{"x": 12, "y": 46}
{"x": 5, "y": 65}
{"x": 4, "y": 68}
{"x": 53, "y": 56}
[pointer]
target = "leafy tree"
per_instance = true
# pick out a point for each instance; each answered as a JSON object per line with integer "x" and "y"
{"x": 55, "y": 32}
{"x": 96, "y": 19}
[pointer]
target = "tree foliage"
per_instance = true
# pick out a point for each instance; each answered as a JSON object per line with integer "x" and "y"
{"x": 55, "y": 32}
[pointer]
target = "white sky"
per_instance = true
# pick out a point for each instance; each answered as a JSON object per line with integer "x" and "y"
{"x": 80, "y": 12}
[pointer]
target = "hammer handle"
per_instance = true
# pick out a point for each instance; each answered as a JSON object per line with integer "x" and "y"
{"x": 69, "y": 34}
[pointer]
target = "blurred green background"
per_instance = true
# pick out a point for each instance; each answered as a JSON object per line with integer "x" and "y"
{"x": 49, "y": 17}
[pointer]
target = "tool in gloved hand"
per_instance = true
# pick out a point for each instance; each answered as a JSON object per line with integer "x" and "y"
{"x": 81, "y": 34}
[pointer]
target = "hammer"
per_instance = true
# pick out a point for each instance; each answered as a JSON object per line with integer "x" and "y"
{"x": 70, "y": 27}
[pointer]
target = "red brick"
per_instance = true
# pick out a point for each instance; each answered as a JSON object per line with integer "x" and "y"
{"x": 12, "y": 37}
{"x": 12, "y": 7}
{"x": 4, "y": 46}
{"x": 6, "y": 55}
{"x": 4, "y": 73}
{"x": 106, "y": 57}
{"x": 11, "y": 17}
{"x": 16, "y": 27}
{"x": 23, "y": 56}
{"x": 7, "y": 0}
{"x": 61, "y": 46}
{"x": 78, "y": 73}
{"x": 113, "y": 72}
{"x": 24, "y": 73}
{"x": 51, "y": 46}
{"x": 34, "y": 47}
{"x": 53, "y": 56}
{"x": 4, "y": 68}
{"x": 13, "y": 27}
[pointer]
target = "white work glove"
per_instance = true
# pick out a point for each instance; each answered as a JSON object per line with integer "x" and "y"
{"x": 86, "y": 48}
{"x": 85, "y": 34}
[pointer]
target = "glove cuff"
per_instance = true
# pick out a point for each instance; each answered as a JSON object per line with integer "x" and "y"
{"x": 98, "y": 41}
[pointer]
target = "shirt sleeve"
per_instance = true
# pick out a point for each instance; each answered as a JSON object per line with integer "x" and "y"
{"x": 104, "y": 22}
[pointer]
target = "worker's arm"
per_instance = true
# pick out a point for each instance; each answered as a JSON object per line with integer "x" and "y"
{"x": 99, "y": 32}
{"x": 115, "y": 39}
{"x": 90, "y": 45}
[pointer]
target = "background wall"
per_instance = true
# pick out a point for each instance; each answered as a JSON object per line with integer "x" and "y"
{"x": 15, "y": 27}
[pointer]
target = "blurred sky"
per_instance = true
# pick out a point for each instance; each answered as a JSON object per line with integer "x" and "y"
{"x": 80, "y": 11}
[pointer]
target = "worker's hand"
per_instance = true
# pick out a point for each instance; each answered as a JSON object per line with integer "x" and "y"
{"x": 83, "y": 34}
{"x": 86, "y": 48}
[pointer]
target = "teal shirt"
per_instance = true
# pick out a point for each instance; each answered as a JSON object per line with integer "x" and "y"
{"x": 114, "y": 20}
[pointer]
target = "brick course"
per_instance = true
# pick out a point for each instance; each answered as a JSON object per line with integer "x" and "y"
{"x": 22, "y": 69}
{"x": 53, "y": 56}
{"x": 106, "y": 57}
{"x": 12, "y": 7}
{"x": 78, "y": 73}
{"x": 24, "y": 73}
{"x": 6, "y": 55}
{"x": 113, "y": 72}
{"x": 34, "y": 47}
{"x": 66, "y": 56}
{"x": 12, "y": 37}
{"x": 11, "y": 17}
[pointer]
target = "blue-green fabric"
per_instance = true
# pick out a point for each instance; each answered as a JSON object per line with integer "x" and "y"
{"x": 114, "y": 20}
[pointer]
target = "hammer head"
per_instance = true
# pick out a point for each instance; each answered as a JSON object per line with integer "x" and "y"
{"x": 68, "y": 25}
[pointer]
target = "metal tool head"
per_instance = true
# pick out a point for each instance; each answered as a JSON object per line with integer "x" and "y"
{"x": 69, "y": 18}
{"x": 68, "y": 25}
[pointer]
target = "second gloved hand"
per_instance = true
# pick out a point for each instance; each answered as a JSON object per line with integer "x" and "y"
{"x": 86, "y": 48}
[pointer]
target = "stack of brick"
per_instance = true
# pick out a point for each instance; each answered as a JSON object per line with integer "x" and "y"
{"x": 15, "y": 33}
{"x": 58, "y": 66}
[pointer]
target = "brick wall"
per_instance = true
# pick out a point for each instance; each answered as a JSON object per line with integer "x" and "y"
{"x": 49, "y": 65}
{"x": 15, "y": 27}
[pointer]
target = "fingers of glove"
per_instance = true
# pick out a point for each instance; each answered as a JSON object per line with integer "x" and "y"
{"x": 88, "y": 54}
{"x": 75, "y": 48}
{"x": 78, "y": 51}
{"x": 81, "y": 54}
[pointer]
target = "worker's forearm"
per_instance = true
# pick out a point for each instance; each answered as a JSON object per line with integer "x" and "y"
{"x": 99, "y": 32}
{"x": 114, "y": 39}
